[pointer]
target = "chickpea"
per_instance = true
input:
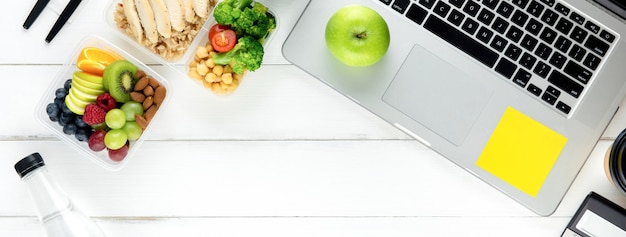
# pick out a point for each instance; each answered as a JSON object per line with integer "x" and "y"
{"x": 193, "y": 73}
{"x": 228, "y": 69}
{"x": 218, "y": 70}
{"x": 227, "y": 78}
{"x": 209, "y": 62}
{"x": 193, "y": 64}
{"x": 210, "y": 77}
{"x": 202, "y": 69}
{"x": 202, "y": 52}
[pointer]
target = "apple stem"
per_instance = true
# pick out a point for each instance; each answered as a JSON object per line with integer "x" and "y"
{"x": 361, "y": 35}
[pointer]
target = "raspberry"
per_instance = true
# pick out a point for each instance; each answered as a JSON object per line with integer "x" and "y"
{"x": 94, "y": 114}
{"x": 105, "y": 101}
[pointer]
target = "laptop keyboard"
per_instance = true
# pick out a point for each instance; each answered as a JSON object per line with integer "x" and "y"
{"x": 544, "y": 47}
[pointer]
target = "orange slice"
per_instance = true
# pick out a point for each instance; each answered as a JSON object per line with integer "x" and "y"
{"x": 94, "y": 60}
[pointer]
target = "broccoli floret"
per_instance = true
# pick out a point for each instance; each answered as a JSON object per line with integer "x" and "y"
{"x": 227, "y": 11}
{"x": 245, "y": 18}
{"x": 247, "y": 54}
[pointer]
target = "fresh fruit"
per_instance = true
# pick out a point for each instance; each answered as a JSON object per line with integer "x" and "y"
{"x": 132, "y": 108}
{"x": 96, "y": 140}
{"x": 224, "y": 41}
{"x": 94, "y": 60}
{"x": 82, "y": 134}
{"x": 84, "y": 89}
{"x": 70, "y": 129}
{"x": 105, "y": 101}
{"x": 119, "y": 154}
{"x": 94, "y": 115}
{"x": 53, "y": 110}
{"x": 115, "y": 139}
{"x": 119, "y": 79}
{"x": 357, "y": 35}
{"x": 133, "y": 130}
{"x": 115, "y": 118}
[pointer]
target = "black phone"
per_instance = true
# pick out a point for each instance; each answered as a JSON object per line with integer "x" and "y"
{"x": 597, "y": 217}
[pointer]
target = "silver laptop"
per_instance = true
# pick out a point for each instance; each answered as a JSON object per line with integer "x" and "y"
{"x": 517, "y": 92}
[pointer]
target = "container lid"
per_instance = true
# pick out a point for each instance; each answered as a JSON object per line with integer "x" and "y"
{"x": 28, "y": 164}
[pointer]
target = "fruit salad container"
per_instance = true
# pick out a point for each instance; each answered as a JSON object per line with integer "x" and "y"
{"x": 103, "y": 102}
{"x": 188, "y": 46}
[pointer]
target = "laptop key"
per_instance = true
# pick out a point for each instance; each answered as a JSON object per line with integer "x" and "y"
{"x": 456, "y": 17}
{"x": 534, "y": 90}
{"x": 591, "y": 61}
{"x": 563, "y": 107}
{"x": 562, "y": 9}
{"x": 565, "y": 83}
{"x": 514, "y": 34}
{"x": 543, "y": 51}
{"x": 535, "y": 8}
{"x": 491, "y": 3}
{"x": 513, "y": 52}
{"x": 519, "y": 18}
{"x": 400, "y": 5}
{"x": 506, "y": 68}
{"x": 550, "y": 99}
{"x": 386, "y": 2}
{"x": 427, "y": 3}
{"x": 597, "y": 45}
{"x": 417, "y": 14}
{"x": 577, "y": 72}
{"x": 505, "y": 9}
{"x": 527, "y": 61}
{"x": 522, "y": 77}
{"x": 607, "y": 36}
{"x": 500, "y": 25}
{"x": 549, "y": 17}
{"x": 564, "y": 25}
{"x": 562, "y": 44}
{"x": 484, "y": 34}
{"x": 577, "y": 18}
{"x": 460, "y": 40}
{"x": 548, "y": 35}
{"x": 578, "y": 34}
{"x": 456, "y": 3}
{"x": 470, "y": 26}
{"x": 542, "y": 69}
{"x": 485, "y": 16}
{"x": 534, "y": 26}
{"x": 557, "y": 60}
{"x": 549, "y": 2}
{"x": 471, "y": 8}
{"x": 577, "y": 53}
{"x": 441, "y": 9}
{"x": 521, "y": 3}
{"x": 529, "y": 42}
{"x": 498, "y": 43}
{"x": 592, "y": 27}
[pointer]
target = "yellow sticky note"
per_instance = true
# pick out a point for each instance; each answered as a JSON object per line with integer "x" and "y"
{"x": 521, "y": 151}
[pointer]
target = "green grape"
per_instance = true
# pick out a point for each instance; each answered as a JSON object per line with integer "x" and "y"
{"x": 133, "y": 130}
{"x": 131, "y": 108}
{"x": 115, "y": 139}
{"x": 115, "y": 118}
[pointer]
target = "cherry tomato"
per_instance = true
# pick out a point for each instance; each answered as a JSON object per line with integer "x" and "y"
{"x": 216, "y": 29}
{"x": 224, "y": 41}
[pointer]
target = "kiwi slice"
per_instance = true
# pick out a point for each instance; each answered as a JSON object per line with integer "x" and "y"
{"x": 119, "y": 79}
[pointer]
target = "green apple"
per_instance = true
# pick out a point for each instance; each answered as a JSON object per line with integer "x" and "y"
{"x": 357, "y": 35}
{"x": 88, "y": 77}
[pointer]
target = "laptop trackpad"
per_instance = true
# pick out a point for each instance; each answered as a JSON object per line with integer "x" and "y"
{"x": 437, "y": 95}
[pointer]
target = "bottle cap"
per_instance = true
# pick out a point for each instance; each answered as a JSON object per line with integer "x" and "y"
{"x": 28, "y": 164}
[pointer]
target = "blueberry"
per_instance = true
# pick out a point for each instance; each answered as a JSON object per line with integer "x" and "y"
{"x": 68, "y": 84}
{"x": 59, "y": 102}
{"x": 66, "y": 118}
{"x": 66, "y": 110}
{"x": 52, "y": 109}
{"x": 54, "y": 119}
{"x": 70, "y": 129}
{"x": 60, "y": 93}
{"x": 80, "y": 122}
{"x": 82, "y": 134}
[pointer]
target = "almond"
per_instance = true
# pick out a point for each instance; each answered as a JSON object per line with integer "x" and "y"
{"x": 141, "y": 83}
{"x": 154, "y": 83}
{"x": 141, "y": 121}
{"x": 137, "y": 96}
{"x": 159, "y": 95}
{"x": 147, "y": 102}
{"x": 148, "y": 91}
{"x": 140, "y": 74}
{"x": 150, "y": 112}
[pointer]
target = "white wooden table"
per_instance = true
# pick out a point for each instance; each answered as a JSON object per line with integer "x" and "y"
{"x": 285, "y": 156}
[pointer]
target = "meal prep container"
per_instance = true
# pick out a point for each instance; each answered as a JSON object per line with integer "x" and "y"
{"x": 181, "y": 64}
{"x": 101, "y": 157}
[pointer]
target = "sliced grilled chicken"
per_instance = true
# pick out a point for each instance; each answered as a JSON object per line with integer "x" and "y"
{"x": 162, "y": 18}
{"x": 201, "y": 7}
{"x": 133, "y": 19}
{"x": 146, "y": 17}
{"x": 176, "y": 13}
{"x": 188, "y": 9}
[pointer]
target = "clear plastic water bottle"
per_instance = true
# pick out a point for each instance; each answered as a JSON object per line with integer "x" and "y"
{"x": 56, "y": 212}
